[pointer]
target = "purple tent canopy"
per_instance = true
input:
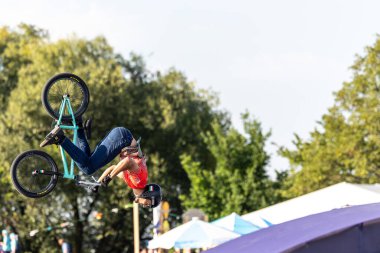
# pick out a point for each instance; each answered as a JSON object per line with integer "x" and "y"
{"x": 349, "y": 230}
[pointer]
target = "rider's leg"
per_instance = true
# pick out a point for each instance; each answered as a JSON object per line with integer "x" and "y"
{"x": 105, "y": 151}
{"x": 82, "y": 142}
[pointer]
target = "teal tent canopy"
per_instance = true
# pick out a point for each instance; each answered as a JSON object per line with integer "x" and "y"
{"x": 237, "y": 224}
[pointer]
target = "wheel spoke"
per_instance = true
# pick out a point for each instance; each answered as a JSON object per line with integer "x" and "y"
{"x": 65, "y": 86}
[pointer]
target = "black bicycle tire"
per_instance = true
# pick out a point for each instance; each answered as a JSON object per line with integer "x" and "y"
{"x": 54, "y": 79}
{"x": 50, "y": 187}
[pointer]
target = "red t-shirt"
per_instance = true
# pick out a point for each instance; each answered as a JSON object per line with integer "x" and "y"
{"x": 137, "y": 180}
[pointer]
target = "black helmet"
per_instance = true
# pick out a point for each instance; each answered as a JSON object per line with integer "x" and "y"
{"x": 153, "y": 193}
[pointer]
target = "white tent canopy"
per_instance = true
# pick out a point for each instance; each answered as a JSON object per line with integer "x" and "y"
{"x": 335, "y": 196}
{"x": 193, "y": 234}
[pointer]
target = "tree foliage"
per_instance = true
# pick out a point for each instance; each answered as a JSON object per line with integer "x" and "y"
{"x": 345, "y": 146}
{"x": 15, "y": 52}
{"x": 238, "y": 181}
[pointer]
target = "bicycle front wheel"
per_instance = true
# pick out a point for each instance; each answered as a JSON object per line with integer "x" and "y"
{"x": 65, "y": 84}
{"x": 25, "y": 177}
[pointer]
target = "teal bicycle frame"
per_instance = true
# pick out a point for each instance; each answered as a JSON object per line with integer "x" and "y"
{"x": 69, "y": 173}
{"x": 66, "y": 104}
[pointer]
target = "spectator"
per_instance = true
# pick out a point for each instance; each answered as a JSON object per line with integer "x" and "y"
{"x": 14, "y": 243}
{"x": 6, "y": 241}
{"x": 66, "y": 247}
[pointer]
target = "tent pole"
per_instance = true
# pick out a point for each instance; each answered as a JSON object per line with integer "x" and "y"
{"x": 136, "y": 229}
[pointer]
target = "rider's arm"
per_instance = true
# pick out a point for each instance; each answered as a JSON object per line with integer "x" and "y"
{"x": 106, "y": 172}
{"x": 125, "y": 164}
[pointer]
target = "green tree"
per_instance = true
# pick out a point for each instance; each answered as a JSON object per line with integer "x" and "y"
{"x": 345, "y": 146}
{"x": 238, "y": 181}
{"x": 16, "y": 49}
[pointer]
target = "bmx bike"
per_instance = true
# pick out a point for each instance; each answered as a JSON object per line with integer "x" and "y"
{"x": 34, "y": 173}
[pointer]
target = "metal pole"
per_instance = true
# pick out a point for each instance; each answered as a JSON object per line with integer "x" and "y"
{"x": 136, "y": 229}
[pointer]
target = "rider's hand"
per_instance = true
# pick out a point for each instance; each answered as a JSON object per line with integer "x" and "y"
{"x": 142, "y": 201}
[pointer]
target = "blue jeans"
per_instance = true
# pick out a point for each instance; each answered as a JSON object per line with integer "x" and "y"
{"x": 105, "y": 151}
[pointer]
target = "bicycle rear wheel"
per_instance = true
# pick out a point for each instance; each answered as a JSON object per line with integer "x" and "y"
{"x": 65, "y": 84}
{"x": 24, "y": 176}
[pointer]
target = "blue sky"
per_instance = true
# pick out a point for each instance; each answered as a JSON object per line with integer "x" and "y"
{"x": 280, "y": 60}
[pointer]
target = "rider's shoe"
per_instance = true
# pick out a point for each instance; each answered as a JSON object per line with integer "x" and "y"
{"x": 56, "y": 136}
{"x": 79, "y": 121}
{"x": 87, "y": 127}
{"x": 106, "y": 181}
